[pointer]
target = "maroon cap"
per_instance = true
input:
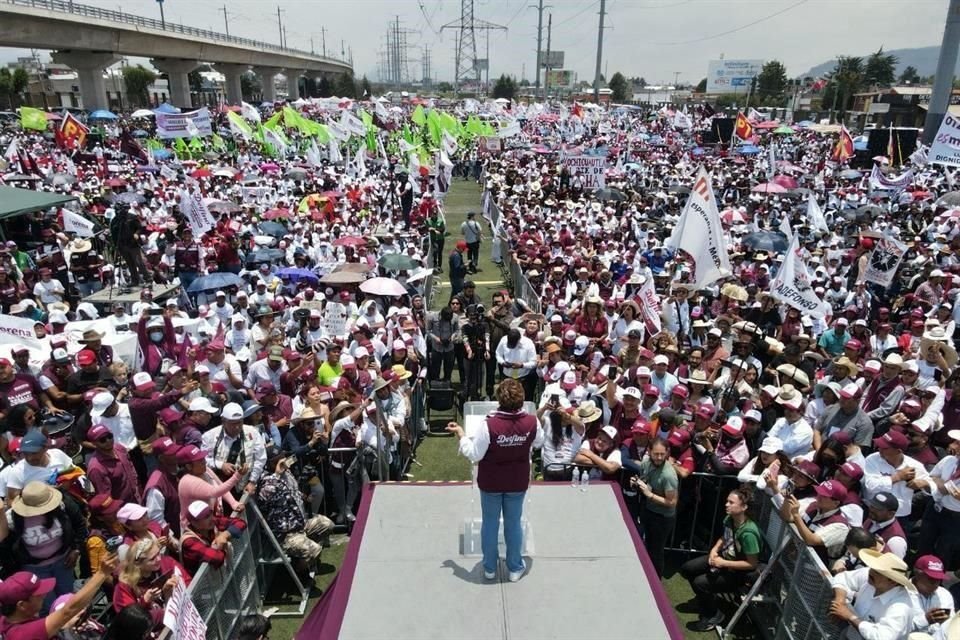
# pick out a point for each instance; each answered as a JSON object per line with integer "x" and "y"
{"x": 808, "y": 468}
{"x": 681, "y": 391}
{"x": 103, "y": 505}
{"x": 679, "y": 438}
{"x": 86, "y": 357}
{"x": 169, "y": 415}
{"x": 651, "y": 390}
{"x": 266, "y": 388}
{"x": 23, "y": 585}
{"x": 842, "y": 437}
{"x": 853, "y": 343}
{"x": 931, "y": 566}
{"x": 96, "y": 432}
{"x": 852, "y": 470}
{"x": 705, "y": 411}
{"x": 165, "y": 446}
{"x": 891, "y": 440}
{"x": 832, "y": 489}
{"x": 640, "y": 427}
{"x": 190, "y": 453}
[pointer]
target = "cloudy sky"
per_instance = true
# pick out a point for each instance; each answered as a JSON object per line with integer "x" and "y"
{"x": 649, "y": 38}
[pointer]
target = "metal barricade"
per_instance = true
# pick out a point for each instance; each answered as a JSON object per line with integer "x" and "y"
{"x": 696, "y": 529}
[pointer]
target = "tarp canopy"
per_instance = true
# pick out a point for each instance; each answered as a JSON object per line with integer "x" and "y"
{"x": 15, "y": 202}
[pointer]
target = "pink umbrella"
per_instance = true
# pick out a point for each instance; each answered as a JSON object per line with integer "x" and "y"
{"x": 383, "y": 287}
{"x": 273, "y": 214}
{"x": 769, "y": 187}
{"x": 787, "y": 182}
{"x": 270, "y": 166}
{"x": 733, "y": 216}
{"x": 350, "y": 241}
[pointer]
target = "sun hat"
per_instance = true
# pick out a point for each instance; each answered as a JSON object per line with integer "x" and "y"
{"x": 789, "y": 397}
{"x": 588, "y": 411}
{"x": 888, "y": 565}
{"x": 807, "y": 468}
{"x": 37, "y": 499}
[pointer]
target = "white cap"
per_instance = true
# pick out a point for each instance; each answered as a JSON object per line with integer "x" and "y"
{"x": 580, "y": 345}
{"x": 643, "y": 371}
{"x": 231, "y": 410}
{"x": 131, "y": 511}
{"x": 715, "y": 332}
{"x": 197, "y": 508}
{"x": 360, "y": 352}
{"x": 610, "y": 431}
{"x": 219, "y": 293}
{"x": 174, "y": 370}
{"x": 558, "y": 370}
{"x": 661, "y": 359}
{"x": 155, "y": 321}
{"x": 101, "y": 402}
{"x": 911, "y": 365}
{"x": 202, "y": 404}
{"x": 771, "y": 444}
{"x": 633, "y": 392}
{"x": 753, "y": 414}
{"x": 201, "y": 369}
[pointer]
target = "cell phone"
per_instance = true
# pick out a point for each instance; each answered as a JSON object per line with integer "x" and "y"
{"x": 555, "y": 399}
{"x": 113, "y": 543}
{"x": 154, "y": 312}
{"x": 788, "y": 489}
{"x": 160, "y": 580}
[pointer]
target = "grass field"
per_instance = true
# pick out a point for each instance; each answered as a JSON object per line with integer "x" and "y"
{"x": 437, "y": 455}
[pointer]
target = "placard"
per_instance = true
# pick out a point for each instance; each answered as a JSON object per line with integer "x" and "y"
{"x": 189, "y": 124}
{"x": 946, "y": 144}
{"x": 591, "y": 168}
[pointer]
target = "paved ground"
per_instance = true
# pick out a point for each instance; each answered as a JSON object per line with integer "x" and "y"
{"x": 437, "y": 455}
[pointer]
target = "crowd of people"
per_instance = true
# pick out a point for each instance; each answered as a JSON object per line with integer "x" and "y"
{"x": 294, "y": 380}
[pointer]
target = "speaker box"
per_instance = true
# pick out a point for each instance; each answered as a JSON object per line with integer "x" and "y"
{"x": 904, "y": 143}
{"x": 721, "y": 130}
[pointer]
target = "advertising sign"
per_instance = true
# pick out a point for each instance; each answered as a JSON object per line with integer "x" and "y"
{"x": 732, "y": 76}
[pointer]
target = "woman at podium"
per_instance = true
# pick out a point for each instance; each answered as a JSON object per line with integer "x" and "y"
{"x": 501, "y": 449}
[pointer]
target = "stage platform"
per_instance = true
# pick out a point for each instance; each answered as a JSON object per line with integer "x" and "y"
{"x": 108, "y": 296}
{"x": 404, "y": 577}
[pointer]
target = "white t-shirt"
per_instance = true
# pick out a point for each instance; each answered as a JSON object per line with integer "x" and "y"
{"x": 48, "y": 292}
{"x": 565, "y": 451}
{"x": 22, "y": 473}
{"x": 596, "y": 474}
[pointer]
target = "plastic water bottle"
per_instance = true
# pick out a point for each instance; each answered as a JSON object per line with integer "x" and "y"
{"x": 576, "y": 478}
{"x": 584, "y": 480}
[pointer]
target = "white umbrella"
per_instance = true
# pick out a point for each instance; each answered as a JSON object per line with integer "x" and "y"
{"x": 142, "y": 113}
{"x": 383, "y": 287}
{"x": 419, "y": 274}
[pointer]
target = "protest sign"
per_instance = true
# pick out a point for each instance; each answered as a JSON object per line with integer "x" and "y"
{"x": 181, "y": 615}
{"x": 335, "y": 319}
{"x": 792, "y": 284}
{"x": 946, "y": 144}
{"x": 188, "y": 124}
{"x": 590, "y": 168}
{"x": 884, "y": 261}
{"x": 700, "y": 233}
{"x": 76, "y": 223}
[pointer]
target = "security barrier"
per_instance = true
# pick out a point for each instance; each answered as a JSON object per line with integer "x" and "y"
{"x": 513, "y": 274}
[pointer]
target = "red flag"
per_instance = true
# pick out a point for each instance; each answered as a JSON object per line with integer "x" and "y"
{"x": 743, "y": 128}
{"x": 843, "y": 150}
{"x": 577, "y": 110}
{"x": 72, "y": 133}
{"x": 27, "y": 164}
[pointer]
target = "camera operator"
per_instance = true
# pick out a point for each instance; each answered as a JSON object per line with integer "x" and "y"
{"x": 125, "y": 232}
{"x": 308, "y": 445}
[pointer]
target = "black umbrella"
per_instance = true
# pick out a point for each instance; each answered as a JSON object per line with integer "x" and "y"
{"x": 766, "y": 241}
{"x": 610, "y": 194}
{"x": 213, "y": 281}
{"x": 868, "y": 212}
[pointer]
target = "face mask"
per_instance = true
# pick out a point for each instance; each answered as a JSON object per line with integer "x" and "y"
{"x": 156, "y": 336}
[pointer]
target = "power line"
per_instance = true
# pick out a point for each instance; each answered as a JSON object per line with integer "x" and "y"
{"x": 726, "y": 33}
{"x": 516, "y": 15}
{"x": 577, "y": 14}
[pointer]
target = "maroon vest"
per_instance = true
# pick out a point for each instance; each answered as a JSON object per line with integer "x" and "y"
{"x": 876, "y": 394}
{"x": 167, "y": 486}
{"x": 892, "y": 530}
{"x": 812, "y": 511}
{"x": 506, "y": 465}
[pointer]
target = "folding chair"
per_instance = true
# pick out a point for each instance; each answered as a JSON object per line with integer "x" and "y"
{"x": 441, "y": 398}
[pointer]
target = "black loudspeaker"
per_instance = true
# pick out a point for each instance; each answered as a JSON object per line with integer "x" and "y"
{"x": 904, "y": 143}
{"x": 720, "y": 131}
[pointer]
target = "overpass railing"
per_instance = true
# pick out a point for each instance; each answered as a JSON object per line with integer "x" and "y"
{"x": 98, "y": 13}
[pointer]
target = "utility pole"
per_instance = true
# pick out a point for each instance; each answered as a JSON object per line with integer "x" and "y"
{"x": 465, "y": 58}
{"x": 284, "y": 36}
{"x": 311, "y": 45}
{"x": 596, "y": 73}
{"x": 943, "y": 80}
{"x": 676, "y": 79}
{"x": 280, "y": 26}
{"x": 226, "y": 25}
{"x": 546, "y": 71}
{"x": 539, "y": 8}
{"x": 323, "y": 40}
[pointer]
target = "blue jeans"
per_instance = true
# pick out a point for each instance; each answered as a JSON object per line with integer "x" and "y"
{"x": 63, "y": 574}
{"x": 491, "y": 505}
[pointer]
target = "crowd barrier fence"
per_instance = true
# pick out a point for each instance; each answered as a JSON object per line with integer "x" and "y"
{"x": 513, "y": 273}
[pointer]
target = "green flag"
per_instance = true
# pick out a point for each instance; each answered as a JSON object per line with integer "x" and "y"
{"x": 239, "y": 126}
{"x": 217, "y": 142}
{"x": 418, "y": 116}
{"x": 196, "y": 145}
{"x": 274, "y": 121}
{"x": 434, "y": 127}
{"x": 180, "y": 147}
{"x": 450, "y": 124}
{"x": 31, "y": 118}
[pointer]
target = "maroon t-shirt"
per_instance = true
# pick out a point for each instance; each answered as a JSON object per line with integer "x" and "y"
{"x": 32, "y": 630}
{"x": 23, "y": 389}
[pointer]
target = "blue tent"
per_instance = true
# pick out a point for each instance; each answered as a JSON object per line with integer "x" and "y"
{"x": 166, "y": 107}
{"x": 102, "y": 114}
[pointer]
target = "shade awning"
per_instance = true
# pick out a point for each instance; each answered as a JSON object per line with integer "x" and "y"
{"x": 15, "y": 202}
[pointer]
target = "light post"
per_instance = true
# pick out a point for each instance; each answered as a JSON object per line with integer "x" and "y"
{"x": 163, "y": 20}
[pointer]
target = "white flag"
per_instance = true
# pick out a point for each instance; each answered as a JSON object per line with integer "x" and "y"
{"x": 681, "y": 120}
{"x": 700, "y": 234}
{"x": 313, "y": 154}
{"x": 76, "y": 223}
{"x": 785, "y": 227}
{"x": 277, "y": 140}
{"x": 333, "y": 151}
{"x": 650, "y": 310}
{"x": 352, "y": 124}
{"x": 337, "y": 132}
{"x": 815, "y": 215}
{"x": 449, "y": 143}
{"x": 884, "y": 261}
{"x": 771, "y": 162}
{"x": 192, "y": 129}
{"x": 12, "y": 152}
{"x": 792, "y": 284}
{"x": 380, "y": 110}
{"x": 196, "y": 213}
{"x": 249, "y": 112}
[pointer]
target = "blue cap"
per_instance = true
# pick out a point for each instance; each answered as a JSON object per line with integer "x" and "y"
{"x": 33, "y": 442}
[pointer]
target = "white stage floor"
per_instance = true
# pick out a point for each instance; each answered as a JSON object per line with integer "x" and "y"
{"x": 404, "y": 577}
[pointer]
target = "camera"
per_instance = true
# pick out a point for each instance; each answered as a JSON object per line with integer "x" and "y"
{"x": 301, "y": 315}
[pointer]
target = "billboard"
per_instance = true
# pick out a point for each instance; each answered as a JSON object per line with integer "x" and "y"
{"x": 554, "y": 60}
{"x": 481, "y": 64}
{"x": 732, "y": 76}
{"x": 561, "y": 78}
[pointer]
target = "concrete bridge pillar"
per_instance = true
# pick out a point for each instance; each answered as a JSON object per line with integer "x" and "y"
{"x": 266, "y": 76}
{"x": 89, "y": 66}
{"x": 293, "y": 84}
{"x": 231, "y": 75}
{"x": 177, "y": 75}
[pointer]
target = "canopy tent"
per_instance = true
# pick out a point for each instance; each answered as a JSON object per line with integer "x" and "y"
{"x": 15, "y": 202}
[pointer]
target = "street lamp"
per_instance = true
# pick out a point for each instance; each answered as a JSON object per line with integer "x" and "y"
{"x": 163, "y": 21}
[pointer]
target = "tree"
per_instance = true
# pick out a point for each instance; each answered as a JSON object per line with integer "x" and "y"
{"x": 639, "y": 82}
{"x": 772, "y": 81}
{"x": 444, "y": 87}
{"x": 880, "y": 69}
{"x": 137, "y": 81}
{"x": 346, "y": 87}
{"x": 249, "y": 85}
{"x": 506, "y": 87}
{"x": 701, "y": 86}
{"x": 909, "y": 76}
{"x": 524, "y": 83}
{"x": 324, "y": 87}
{"x": 195, "y": 80}
{"x": 365, "y": 89}
{"x": 618, "y": 87}
{"x": 846, "y": 79}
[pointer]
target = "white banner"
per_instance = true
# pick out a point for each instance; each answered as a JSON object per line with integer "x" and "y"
{"x": 591, "y": 168}
{"x": 335, "y": 319}
{"x": 815, "y": 217}
{"x": 649, "y": 303}
{"x": 682, "y": 121}
{"x": 792, "y": 284}
{"x": 946, "y": 144}
{"x": 196, "y": 213}
{"x": 76, "y": 223}
{"x": 181, "y": 615}
{"x": 352, "y": 124}
{"x": 179, "y": 125}
{"x": 700, "y": 233}
{"x": 512, "y": 129}
{"x": 19, "y": 331}
{"x": 167, "y": 173}
{"x": 884, "y": 261}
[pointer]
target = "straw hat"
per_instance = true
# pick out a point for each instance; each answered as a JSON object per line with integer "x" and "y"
{"x": 36, "y": 499}
{"x": 588, "y": 411}
{"x": 937, "y": 337}
{"x": 338, "y": 410}
{"x": 888, "y": 565}
{"x": 697, "y": 377}
{"x": 400, "y": 372}
{"x": 795, "y": 373}
{"x": 307, "y": 414}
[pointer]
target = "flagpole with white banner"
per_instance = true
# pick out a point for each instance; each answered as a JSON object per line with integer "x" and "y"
{"x": 700, "y": 234}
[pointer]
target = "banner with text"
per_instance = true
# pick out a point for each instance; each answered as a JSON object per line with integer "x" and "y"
{"x": 76, "y": 223}
{"x": 792, "y": 284}
{"x": 189, "y": 124}
{"x": 884, "y": 261}
{"x": 196, "y": 213}
{"x": 181, "y": 615}
{"x": 591, "y": 168}
{"x": 946, "y": 144}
